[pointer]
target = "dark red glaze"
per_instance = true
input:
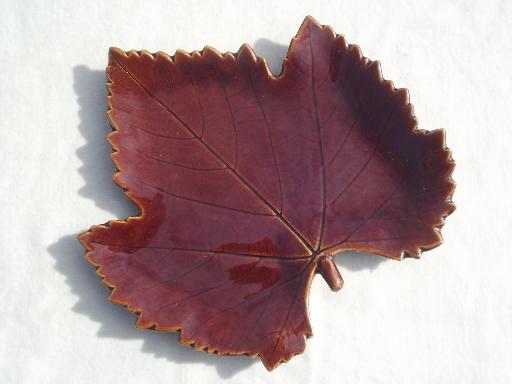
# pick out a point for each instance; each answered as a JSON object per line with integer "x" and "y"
{"x": 247, "y": 183}
{"x": 327, "y": 268}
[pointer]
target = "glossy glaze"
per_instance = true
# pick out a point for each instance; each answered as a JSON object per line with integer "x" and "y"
{"x": 246, "y": 182}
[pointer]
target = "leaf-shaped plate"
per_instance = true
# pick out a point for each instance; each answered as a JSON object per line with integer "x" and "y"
{"x": 249, "y": 183}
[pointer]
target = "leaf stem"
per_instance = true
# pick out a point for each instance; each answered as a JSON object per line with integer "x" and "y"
{"x": 329, "y": 271}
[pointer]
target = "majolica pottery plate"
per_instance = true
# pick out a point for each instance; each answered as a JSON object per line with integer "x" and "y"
{"x": 249, "y": 183}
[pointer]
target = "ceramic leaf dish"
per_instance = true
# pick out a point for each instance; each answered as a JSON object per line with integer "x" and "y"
{"x": 249, "y": 183}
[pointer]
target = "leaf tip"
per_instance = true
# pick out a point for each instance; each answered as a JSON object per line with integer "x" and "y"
{"x": 245, "y": 51}
{"x": 310, "y": 21}
{"x": 210, "y": 51}
{"x": 114, "y": 53}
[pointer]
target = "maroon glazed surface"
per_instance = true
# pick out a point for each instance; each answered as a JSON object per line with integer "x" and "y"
{"x": 246, "y": 181}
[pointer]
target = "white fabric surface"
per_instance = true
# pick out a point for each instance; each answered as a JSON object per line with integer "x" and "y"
{"x": 446, "y": 318}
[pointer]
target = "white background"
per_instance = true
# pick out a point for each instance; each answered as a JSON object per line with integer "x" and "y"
{"x": 446, "y": 318}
